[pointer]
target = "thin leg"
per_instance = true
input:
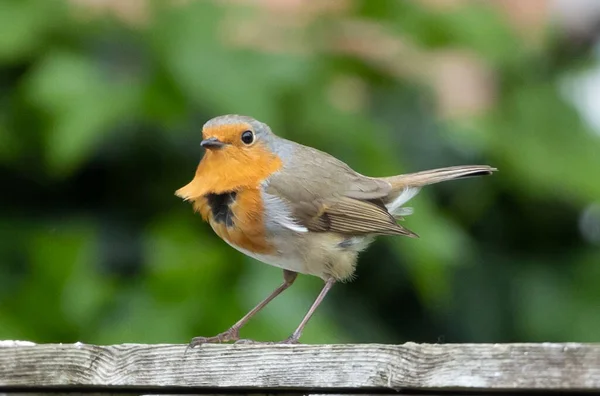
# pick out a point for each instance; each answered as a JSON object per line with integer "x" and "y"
{"x": 293, "y": 339}
{"x": 233, "y": 334}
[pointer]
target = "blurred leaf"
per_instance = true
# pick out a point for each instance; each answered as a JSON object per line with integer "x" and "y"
{"x": 9, "y": 142}
{"x": 222, "y": 78}
{"x": 82, "y": 103}
{"x": 441, "y": 245}
{"x": 209, "y": 74}
{"x": 544, "y": 145}
{"x": 187, "y": 274}
{"x": 479, "y": 27}
{"x": 57, "y": 252}
{"x": 474, "y": 25}
{"x": 570, "y": 317}
{"x": 85, "y": 296}
{"x": 24, "y": 25}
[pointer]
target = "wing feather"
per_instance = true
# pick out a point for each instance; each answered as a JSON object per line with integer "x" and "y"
{"x": 337, "y": 212}
{"x": 326, "y": 195}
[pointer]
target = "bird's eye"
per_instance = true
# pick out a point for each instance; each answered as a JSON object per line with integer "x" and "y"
{"x": 247, "y": 137}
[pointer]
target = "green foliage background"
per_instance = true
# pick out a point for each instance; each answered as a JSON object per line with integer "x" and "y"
{"x": 100, "y": 123}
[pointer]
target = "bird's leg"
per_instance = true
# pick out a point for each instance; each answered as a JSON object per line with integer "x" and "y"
{"x": 293, "y": 339}
{"x": 233, "y": 334}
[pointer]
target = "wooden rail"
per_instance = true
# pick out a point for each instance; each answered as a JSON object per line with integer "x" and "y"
{"x": 299, "y": 369}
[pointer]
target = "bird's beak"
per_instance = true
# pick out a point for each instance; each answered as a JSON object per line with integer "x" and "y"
{"x": 212, "y": 143}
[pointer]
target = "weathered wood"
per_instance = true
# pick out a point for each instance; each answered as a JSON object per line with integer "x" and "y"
{"x": 299, "y": 368}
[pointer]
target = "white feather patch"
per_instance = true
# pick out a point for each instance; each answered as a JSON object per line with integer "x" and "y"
{"x": 403, "y": 211}
{"x": 292, "y": 226}
{"x": 395, "y": 207}
{"x": 278, "y": 214}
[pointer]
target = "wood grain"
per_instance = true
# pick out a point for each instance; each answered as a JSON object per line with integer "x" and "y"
{"x": 330, "y": 368}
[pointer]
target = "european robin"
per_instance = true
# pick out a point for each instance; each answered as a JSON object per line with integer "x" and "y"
{"x": 295, "y": 207}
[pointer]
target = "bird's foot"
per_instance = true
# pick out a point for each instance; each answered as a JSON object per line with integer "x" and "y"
{"x": 288, "y": 341}
{"x": 291, "y": 340}
{"x": 233, "y": 334}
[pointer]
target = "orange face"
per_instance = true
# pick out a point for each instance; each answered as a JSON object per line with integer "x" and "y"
{"x": 230, "y": 134}
{"x": 232, "y": 162}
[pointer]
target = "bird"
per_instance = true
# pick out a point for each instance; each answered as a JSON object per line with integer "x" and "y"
{"x": 296, "y": 207}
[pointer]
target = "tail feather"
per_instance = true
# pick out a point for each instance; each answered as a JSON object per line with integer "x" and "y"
{"x": 405, "y": 187}
{"x": 423, "y": 178}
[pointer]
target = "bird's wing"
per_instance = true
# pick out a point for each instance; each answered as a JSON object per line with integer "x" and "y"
{"x": 346, "y": 215}
{"x": 325, "y": 195}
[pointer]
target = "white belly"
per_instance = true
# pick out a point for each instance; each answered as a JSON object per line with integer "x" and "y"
{"x": 287, "y": 263}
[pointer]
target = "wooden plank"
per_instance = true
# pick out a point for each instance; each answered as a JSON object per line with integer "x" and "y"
{"x": 346, "y": 369}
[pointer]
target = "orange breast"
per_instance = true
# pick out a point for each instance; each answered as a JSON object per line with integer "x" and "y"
{"x": 238, "y": 170}
{"x": 248, "y": 228}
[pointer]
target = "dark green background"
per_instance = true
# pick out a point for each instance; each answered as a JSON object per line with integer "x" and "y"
{"x": 100, "y": 123}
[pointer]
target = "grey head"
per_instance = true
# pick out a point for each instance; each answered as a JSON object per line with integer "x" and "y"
{"x": 241, "y": 131}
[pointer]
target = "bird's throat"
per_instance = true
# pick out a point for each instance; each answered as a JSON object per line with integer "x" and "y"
{"x": 231, "y": 169}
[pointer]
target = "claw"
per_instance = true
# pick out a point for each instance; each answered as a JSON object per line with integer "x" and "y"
{"x": 232, "y": 334}
{"x": 291, "y": 340}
